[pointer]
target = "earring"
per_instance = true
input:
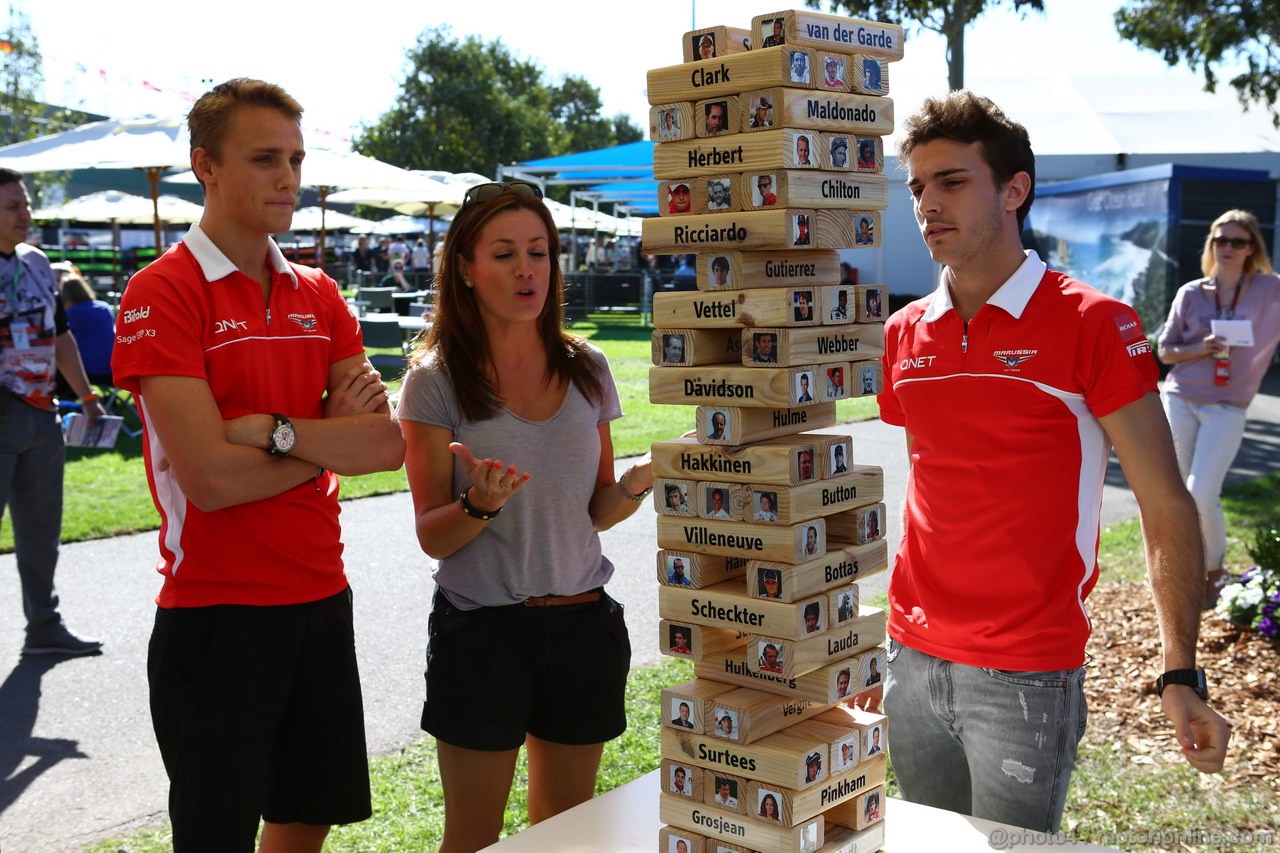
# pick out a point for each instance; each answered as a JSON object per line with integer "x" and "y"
{"x": 467, "y": 282}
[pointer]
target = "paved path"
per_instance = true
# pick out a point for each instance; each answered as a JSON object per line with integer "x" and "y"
{"x": 77, "y": 757}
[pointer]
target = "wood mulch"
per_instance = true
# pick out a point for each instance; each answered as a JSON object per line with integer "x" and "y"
{"x": 1244, "y": 684}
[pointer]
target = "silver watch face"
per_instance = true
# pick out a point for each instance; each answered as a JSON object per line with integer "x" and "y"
{"x": 283, "y": 438}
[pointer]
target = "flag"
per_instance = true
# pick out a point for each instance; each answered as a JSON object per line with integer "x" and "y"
{"x": 6, "y": 47}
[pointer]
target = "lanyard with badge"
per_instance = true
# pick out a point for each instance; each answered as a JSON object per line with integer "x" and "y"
{"x": 1222, "y": 362}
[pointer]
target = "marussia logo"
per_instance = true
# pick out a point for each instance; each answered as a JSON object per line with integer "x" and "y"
{"x": 1014, "y": 357}
{"x": 1139, "y": 347}
{"x": 306, "y": 321}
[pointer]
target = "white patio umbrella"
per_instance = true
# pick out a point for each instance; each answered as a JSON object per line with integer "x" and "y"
{"x": 149, "y": 144}
{"x": 121, "y": 207}
{"x": 327, "y": 170}
{"x": 441, "y": 194}
{"x": 315, "y": 218}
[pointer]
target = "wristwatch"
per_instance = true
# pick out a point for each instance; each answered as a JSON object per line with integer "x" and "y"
{"x": 1193, "y": 678}
{"x": 283, "y": 437}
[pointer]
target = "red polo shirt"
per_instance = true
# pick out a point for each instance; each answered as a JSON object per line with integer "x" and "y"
{"x": 1000, "y": 543}
{"x": 192, "y": 313}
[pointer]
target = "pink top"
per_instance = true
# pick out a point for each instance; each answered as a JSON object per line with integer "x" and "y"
{"x": 1189, "y": 316}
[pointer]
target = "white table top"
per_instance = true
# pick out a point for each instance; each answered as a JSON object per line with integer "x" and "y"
{"x": 626, "y": 819}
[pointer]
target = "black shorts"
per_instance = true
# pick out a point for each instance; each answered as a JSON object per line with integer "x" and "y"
{"x": 258, "y": 714}
{"x": 497, "y": 673}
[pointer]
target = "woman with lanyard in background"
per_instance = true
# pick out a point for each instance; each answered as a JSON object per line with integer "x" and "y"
{"x": 510, "y": 461}
{"x": 1212, "y": 382}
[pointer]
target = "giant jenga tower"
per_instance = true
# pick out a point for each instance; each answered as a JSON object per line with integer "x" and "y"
{"x": 769, "y": 161}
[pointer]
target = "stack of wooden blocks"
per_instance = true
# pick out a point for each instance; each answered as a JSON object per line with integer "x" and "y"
{"x": 770, "y": 160}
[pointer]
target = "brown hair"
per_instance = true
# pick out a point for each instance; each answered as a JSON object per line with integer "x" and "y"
{"x": 965, "y": 117}
{"x": 209, "y": 119}
{"x": 458, "y": 336}
{"x": 75, "y": 290}
{"x": 9, "y": 176}
{"x": 1257, "y": 262}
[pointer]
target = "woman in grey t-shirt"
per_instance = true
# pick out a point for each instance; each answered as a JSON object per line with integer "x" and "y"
{"x": 509, "y": 458}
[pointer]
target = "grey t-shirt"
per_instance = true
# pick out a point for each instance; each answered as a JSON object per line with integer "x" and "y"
{"x": 543, "y": 542}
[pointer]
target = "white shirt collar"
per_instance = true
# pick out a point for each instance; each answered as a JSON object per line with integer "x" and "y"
{"x": 1012, "y": 296}
{"x": 215, "y": 265}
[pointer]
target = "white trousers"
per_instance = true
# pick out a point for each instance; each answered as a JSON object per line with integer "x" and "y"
{"x": 1206, "y": 439}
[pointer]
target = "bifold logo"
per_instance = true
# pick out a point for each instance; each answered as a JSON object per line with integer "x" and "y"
{"x": 1139, "y": 347}
{"x": 135, "y": 314}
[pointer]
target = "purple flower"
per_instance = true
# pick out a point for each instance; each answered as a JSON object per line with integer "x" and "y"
{"x": 1268, "y": 627}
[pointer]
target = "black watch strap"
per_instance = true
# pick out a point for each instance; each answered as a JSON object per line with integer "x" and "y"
{"x": 1193, "y": 678}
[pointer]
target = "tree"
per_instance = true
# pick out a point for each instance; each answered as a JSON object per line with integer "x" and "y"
{"x": 945, "y": 17}
{"x": 23, "y": 115}
{"x": 466, "y": 106}
{"x": 1205, "y": 34}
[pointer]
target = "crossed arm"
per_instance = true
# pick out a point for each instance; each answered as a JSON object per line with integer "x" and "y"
{"x": 221, "y": 463}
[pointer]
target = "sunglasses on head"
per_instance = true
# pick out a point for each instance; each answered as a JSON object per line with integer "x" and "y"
{"x": 1233, "y": 242}
{"x": 481, "y": 193}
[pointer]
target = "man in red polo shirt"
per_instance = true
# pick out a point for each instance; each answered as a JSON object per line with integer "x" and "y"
{"x": 255, "y": 393}
{"x": 1013, "y": 383}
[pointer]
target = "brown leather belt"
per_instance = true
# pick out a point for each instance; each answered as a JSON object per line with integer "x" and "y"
{"x": 557, "y": 600}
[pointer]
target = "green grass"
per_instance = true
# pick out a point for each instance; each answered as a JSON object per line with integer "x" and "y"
{"x": 106, "y": 492}
{"x": 1246, "y": 504}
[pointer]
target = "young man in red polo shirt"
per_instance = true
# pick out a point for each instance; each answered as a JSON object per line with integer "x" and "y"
{"x": 1013, "y": 383}
{"x": 255, "y": 393}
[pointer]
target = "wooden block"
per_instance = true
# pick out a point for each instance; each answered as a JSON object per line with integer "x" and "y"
{"x": 767, "y": 228}
{"x": 861, "y": 525}
{"x": 727, "y": 605}
{"x": 773, "y": 462}
{"x": 731, "y": 74}
{"x": 841, "y": 565}
{"x": 694, "y": 347}
{"x": 721, "y": 501}
{"x": 681, "y": 778}
{"x": 692, "y": 642}
{"x": 820, "y": 685}
{"x": 843, "y": 606}
{"x": 690, "y": 694}
{"x": 845, "y": 380}
{"x": 673, "y": 840}
{"x": 830, "y": 32}
{"x": 792, "y": 657}
{"x": 725, "y": 791}
{"x": 862, "y": 304}
{"x": 733, "y": 309}
{"x": 701, "y": 194}
{"x": 853, "y": 676}
{"x": 798, "y": 806}
{"x": 869, "y": 152}
{"x": 778, "y": 148}
{"x": 717, "y": 116}
{"x": 714, "y": 384}
{"x": 755, "y": 714}
{"x": 864, "y": 811}
{"x": 779, "y": 758}
{"x": 842, "y": 72}
{"x": 815, "y": 188}
{"x": 834, "y": 453}
{"x": 723, "y": 825}
{"x": 671, "y": 122}
{"x": 843, "y": 839}
{"x": 797, "y": 504}
{"x": 831, "y": 112}
{"x": 723, "y": 42}
{"x": 767, "y": 269}
{"x": 740, "y": 538}
{"x": 674, "y": 497}
{"x": 739, "y": 425}
{"x": 786, "y": 346}
{"x": 696, "y": 570}
{"x": 871, "y": 728}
